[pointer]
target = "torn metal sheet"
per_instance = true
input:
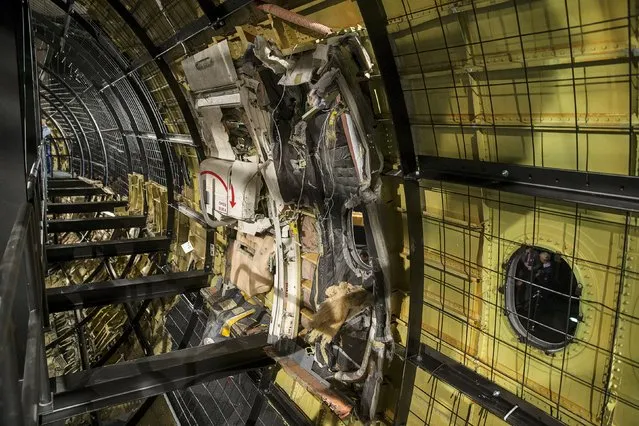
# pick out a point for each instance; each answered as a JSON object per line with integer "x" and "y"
{"x": 301, "y": 73}
{"x": 314, "y": 384}
{"x": 271, "y": 56}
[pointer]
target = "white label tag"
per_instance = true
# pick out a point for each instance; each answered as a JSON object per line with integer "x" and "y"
{"x": 187, "y": 247}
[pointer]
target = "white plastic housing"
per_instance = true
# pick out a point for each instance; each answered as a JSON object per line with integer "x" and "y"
{"x": 229, "y": 188}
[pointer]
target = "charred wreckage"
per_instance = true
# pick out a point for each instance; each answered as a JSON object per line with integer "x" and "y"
{"x": 292, "y": 172}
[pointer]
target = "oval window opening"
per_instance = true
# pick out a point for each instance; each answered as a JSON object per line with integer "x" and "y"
{"x": 542, "y": 298}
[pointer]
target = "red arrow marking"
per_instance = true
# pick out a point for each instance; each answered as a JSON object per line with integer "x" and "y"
{"x": 218, "y": 177}
{"x": 232, "y": 202}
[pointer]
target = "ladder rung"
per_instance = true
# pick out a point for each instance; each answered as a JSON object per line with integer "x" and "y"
{"x": 94, "y": 249}
{"x": 124, "y": 290}
{"x": 88, "y": 207}
{"x": 76, "y": 191}
{"x": 93, "y": 223}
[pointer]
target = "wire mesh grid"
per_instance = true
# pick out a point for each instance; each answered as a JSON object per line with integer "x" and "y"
{"x": 111, "y": 23}
{"x": 176, "y": 169}
{"x": 123, "y": 118}
{"x": 546, "y": 84}
{"x": 140, "y": 117}
{"x": 76, "y": 63}
{"x": 61, "y": 84}
{"x": 69, "y": 114}
{"x": 164, "y": 98}
{"x": 64, "y": 131}
{"x": 163, "y": 19}
{"x": 470, "y": 237}
{"x": 550, "y": 84}
{"x": 132, "y": 49}
{"x": 226, "y": 401}
{"x": 134, "y": 151}
{"x": 154, "y": 160}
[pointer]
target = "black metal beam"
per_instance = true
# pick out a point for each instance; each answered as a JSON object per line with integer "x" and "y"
{"x": 88, "y": 207}
{"x": 126, "y": 332}
{"x": 79, "y": 127}
{"x": 484, "y": 392}
{"x": 594, "y": 189}
{"x": 78, "y": 191}
{"x": 91, "y": 250}
{"x": 84, "y": 106}
{"x": 124, "y": 290}
{"x": 376, "y": 22}
{"x": 93, "y": 223}
{"x": 91, "y": 390}
{"x": 66, "y": 183}
{"x": 263, "y": 383}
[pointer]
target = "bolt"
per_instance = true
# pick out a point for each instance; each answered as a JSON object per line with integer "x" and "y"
{"x": 496, "y": 393}
{"x": 505, "y": 173}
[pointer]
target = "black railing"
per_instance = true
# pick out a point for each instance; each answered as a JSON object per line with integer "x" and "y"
{"x": 22, "y": 399}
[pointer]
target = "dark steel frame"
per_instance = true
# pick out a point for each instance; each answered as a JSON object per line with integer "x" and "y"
{"x": 88, "y": 207}
{"x": 375, "y": 20}
{"x": 124, "y": 290}
{"x": 21, "y": 402}
{"x": 83, "y": 105}
{"x": 66, "y": 118}
{"x": 67, "y": 252}
{"x": 593, "y": 189}
{"x": 94, "y": 223}
{"x": 91, "y": 390}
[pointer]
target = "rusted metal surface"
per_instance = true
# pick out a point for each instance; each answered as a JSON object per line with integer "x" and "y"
{"x": 314, "y": 384}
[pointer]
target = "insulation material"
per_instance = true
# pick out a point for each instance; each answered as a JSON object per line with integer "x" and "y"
{"x": 188, "y": 231}
{"x": 231, "y": 188}
{"x": 210, "y": 68}
{"x": 340, "y": 300}
{"x": 251, "y": 260}
{"x": 136, "y": 193}
{"x": 158, "y": 206}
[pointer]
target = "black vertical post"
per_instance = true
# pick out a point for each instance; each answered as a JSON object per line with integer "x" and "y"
{"x": 13, "y": 162}
{"x": 30, "y": 103}
{"x": 376, "y": 22}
